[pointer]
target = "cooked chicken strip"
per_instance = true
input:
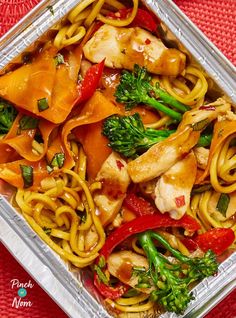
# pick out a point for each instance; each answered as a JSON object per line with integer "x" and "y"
{"x": 120, "y": 265}
{"x": 123, "y": 47}
{"x": 163, "y": 155}
{"x": 173, "y": 188}
{"x": 115, "y": 180}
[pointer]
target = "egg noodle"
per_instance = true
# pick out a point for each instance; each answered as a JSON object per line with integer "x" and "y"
{"x": 61, "y": 203}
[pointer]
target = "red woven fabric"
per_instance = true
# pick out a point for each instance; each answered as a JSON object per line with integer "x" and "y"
{"x": 217, "y": 19}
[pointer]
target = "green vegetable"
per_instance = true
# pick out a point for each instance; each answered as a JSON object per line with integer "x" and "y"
{"x": 200, "y": 189}
{"x": 128, "y": 136}
{"x": 172, "y": 279}
{"x": 58, "y": 160}
{"x": 47, "y": 230}
{"x": 136, "y": 88}
{"x": 204, "y": 140}
{"x": 27, "y": 175}
{"x": 28, "y": 122}
{"x": 42, "y": 104}
{"x": 200, "y": 125}
{"x": 102, "y": 277}
{"x": 223, "y": 203}
{"x": 59, "y": 59}
{"x": 7, "y": 116}
{"x": 50, "y": 8}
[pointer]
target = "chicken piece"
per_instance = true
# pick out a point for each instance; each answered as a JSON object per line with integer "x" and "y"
{"x": 172, "y": 192}
{"x": 123, "y": 47}
{"x": 163, "y": 155}
{"x": 115, "y": 180}
{"x": 120, "y": 265}
{"x": 201, "y": 155}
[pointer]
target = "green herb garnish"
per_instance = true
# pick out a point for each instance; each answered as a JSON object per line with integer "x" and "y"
{"x": 43, "y": 104}
{"x": 27, "y": 175}
{"x": 223, "y": 203}
{"x": 50, "y": 8}
{"x": 8, "y": 114}
{"x": 59, "y": 59}
{"x": 58, "y": 160}
{"x": 28, "y": 122}
{"x": 47, "y": 230}
{"x": 200, "y": 125}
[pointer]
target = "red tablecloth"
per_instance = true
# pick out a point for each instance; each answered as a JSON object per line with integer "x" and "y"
{"x": 217, "y": 19}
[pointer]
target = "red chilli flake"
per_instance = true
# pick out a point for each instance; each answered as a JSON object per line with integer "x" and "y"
{"x": 180, "y": 201}
{"x": 209, "y": 107}
{"x": 119, "y": 164}
{"x": 147, "y": 41}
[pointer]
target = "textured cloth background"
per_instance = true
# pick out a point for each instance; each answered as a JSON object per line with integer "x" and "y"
{"x": 217, "y": 19}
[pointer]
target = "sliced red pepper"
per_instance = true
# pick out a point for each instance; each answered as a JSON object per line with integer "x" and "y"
{"x": 217, "y": 240}
{"x": 143, "y": 18}
{"x": 138, "y": 205}
{"x": 190, "y": 244}
{"x": 109, "y": 291}
{"x": 143, "y": 223}
{"x": 90, "y": 82}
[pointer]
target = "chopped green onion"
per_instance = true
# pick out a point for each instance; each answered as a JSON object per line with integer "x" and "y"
{"x": 59, "y": 59}
{"x": 203, "y": 188}
{"x": 58, "y": 160}
{"x": 143, "y": 285}
{"x": 50, "y": 8}
{"x": 42, "y": 104}
{"x": 223, "y": 203}
{"x": 101, "y": 262}
{"x": 27, "y": 174}
{"x": 28, "y": 122}
{"x": 102, "y": 277}
{"x": 47, "y": 230}
{"x": 200, "y": 125}
{"x": 131, "y": 293}
{"x": 49, "y": 169}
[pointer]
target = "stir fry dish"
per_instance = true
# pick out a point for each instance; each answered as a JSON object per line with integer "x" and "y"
{"x": 120, "y": 152}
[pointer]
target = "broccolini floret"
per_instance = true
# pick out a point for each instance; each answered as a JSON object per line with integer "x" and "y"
{"x": 7, "y": 116}
{"x": 171, "y": 279}
{"x": 135, "y": 88}
{"x": 128, "y": 136}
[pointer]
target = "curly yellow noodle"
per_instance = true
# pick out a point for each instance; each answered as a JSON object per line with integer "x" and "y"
{"x": 78, "y": 9}
{"x": 69, "y": 35}
{"x": 69, "y": 199}
{"x": 37, "y": 147}
{"x": 20, "y": 200}
{"x": 204, "y": 208}
{"x": 197, "y": 93}
{"x": 81, "y": 262}
{"x": 42, "y": 198}
{"x": 96, "y": 220}
{"x": 134, "y": 308}
{"x": 95, "y": 186}
{"x": 43, "y": 221}
{"x": 221, "y": 165}
{"x": 115, "y": 4}
{"x": 194, "y": 206}
{"x": 75, "y": 195}
{"x": 60, "y": 234}
{"x": 88, "y": 220}
{"x": 123, "y": 22}
{"x": 132, "y": 300}
{"x": 81, "y": 240}
{"x": 93, "y": 14}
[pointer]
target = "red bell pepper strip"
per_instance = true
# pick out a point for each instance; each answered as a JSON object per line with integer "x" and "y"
{"x": 143, "y": 223}
{"x": 90, "y": 82}
{"x": 138, "y": 205}
{"x": 190, "y": 244}
{"x": 143, "y": 18}
{"x": 217, "y": 240}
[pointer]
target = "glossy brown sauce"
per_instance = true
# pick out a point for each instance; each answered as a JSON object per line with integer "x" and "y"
{"x": 112, "y": 189}
{"x": 124, "y": 272}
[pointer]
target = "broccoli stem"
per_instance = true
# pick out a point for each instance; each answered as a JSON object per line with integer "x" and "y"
{"x": 162, "y": 108}
{"x": 170, "y": 100}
